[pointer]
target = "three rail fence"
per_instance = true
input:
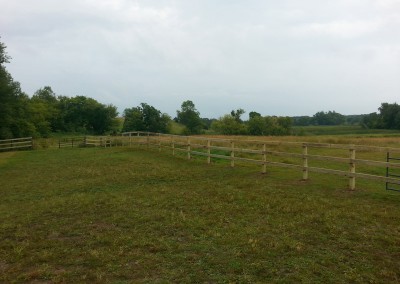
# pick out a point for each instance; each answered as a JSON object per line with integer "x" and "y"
{"x": 373, "y": 163}
{"x": 16, "y": 144}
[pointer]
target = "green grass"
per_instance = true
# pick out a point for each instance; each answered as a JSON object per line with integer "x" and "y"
{"x": 127, "y": 215}
{"x": 341, "y": 130}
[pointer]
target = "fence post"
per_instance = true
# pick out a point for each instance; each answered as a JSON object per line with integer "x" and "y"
{"x": 232, "y": 154}
{"x": 148, "y": 140}
{"x": 208, "y": 151}
{"x": 264, "y": 157}
{"x": 159, "y": 142}
{"x": 188, "y": 148}
{"x": 130, "y": 140}
{"x": 305, "y": 162}
{"x": 173, "y": 145}
{"x": 352, "y": 169}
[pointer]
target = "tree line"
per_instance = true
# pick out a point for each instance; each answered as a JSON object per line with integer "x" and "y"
{"x": 387, "y": 117}
{"x": 45, "y": 113}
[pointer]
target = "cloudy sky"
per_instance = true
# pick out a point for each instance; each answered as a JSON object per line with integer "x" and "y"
{"x": 286, "y": 57}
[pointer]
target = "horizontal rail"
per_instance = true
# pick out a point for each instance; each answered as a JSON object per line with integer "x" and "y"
{"x": 16, "y": 147}
{"x": 16, "y": 139}
{"x": 235, "y": 149}
{"x": 16, "y": 144}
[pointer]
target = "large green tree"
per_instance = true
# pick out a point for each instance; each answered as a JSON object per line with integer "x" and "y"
{"x": 190, "y": 118}
{"x": 86, "y": 115}
{"x": 145, "y": 118}
{"x": 328, "y": 118}
{"x": 14, "y": 104}
{"x": 387, "y": 118}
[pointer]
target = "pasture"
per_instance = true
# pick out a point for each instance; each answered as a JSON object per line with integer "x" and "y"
{"x": 123, "y": 215}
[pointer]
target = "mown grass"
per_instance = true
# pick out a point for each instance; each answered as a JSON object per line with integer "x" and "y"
{"x": 124, "y": 215}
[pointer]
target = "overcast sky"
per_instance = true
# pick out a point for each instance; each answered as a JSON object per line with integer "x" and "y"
{"x": 286, "y": 57}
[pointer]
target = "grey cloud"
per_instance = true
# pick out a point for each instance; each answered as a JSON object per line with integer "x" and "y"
{"x": 276, "y": 57}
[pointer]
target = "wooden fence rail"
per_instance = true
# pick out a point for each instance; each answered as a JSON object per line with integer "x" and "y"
{"x": 16, "y": 144}
{"x": 261, "y": 153}
{"x": 306, "y": 157}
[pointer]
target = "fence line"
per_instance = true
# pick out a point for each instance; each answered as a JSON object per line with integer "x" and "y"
{"x": 71, "y": 142}
{"x": 215, "y": 148}
{"x": 259, "y": 152}
{"x": 16, "y": 144}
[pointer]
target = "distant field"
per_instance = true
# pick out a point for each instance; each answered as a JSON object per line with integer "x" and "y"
{"x": 341, "y": 130}
{"x": 124, "y": 215}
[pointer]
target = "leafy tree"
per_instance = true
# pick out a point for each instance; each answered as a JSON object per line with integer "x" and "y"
{"x": 46, "y": 111}
{"x": 190, "y": 117}
{"x": 145, "y": 118}
{"x": 269, "y": 125}
{"x": 328, "y": 118}
{"x": 206, "y": 122}
{"x": 390, "y": 115}
{"x": 229, "y": 125}
{"x": 371, "y": 121}
{"x": 237, "y": 114}
{"x": 86, "y": 115}
{"x": 14, "y": 104}
{"x": 253, "y": 114}
{"x": 387, "y": 118}
{"x": 257, "y": 125}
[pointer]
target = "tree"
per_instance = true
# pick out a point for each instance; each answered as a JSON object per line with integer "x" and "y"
{"x": 269, "y": 125}
{"x": 46, "y": 111}
{"x": 190, "y": 118}
{"x": 228, "y": 125}
{"x": 328, "y": 118}
{"x": 253, "y": 114}
{"x": 387, "y": 118}
{"x": 145, "y": 118}
{"x": 390, "y": 115}
{"x": 86, "y": 115}
{"x": 237, "y": 114}
{"x": 14, "y": 104}
{"x": 257, "y": 125}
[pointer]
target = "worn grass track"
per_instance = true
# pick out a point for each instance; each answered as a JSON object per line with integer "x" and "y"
{"x": 127, "y": 215}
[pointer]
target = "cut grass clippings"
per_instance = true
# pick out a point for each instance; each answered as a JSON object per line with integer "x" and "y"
{"x": 133, "y": 215}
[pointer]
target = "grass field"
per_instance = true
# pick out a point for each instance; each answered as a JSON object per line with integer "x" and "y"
{"x": 341, "y": 130}
{"x": 121, "y": 215}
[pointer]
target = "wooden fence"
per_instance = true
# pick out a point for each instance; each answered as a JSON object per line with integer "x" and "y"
{"x": 71, "y": 142}
{"x": 372, "y": 163}
{"x": 280, "y": 154}
{"x": 16, "y": 144}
